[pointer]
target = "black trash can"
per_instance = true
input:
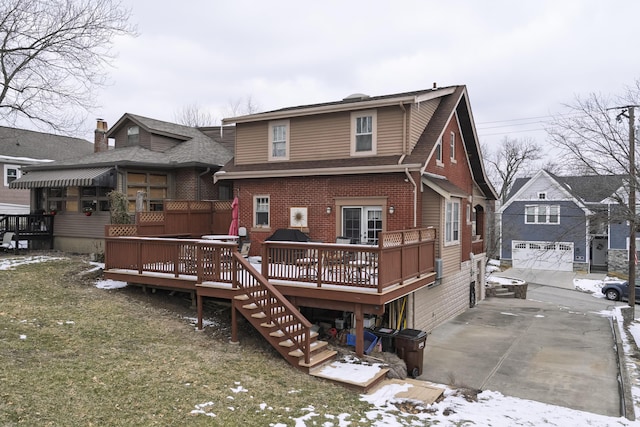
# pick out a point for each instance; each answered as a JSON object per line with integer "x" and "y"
{"x": 387, "y": 338}
{"x": 410, "y": 345}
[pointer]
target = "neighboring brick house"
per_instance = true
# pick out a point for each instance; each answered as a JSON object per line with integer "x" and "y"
{"x": 362, "y": 165}
{"x": 20, "y": 148}
{"x": 163, "y": 160}
{"x": 565, "y": 223}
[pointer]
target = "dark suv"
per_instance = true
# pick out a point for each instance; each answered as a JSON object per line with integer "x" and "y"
{"x": 619, "y": 290}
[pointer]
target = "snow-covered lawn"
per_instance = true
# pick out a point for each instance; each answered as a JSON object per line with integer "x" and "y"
{"x": 490, "y": 409}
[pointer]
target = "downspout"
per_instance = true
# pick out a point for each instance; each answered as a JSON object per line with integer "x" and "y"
{"x": 198, "y": 183}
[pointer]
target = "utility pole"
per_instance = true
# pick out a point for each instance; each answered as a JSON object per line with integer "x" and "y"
{"x": 632, "y": 207}
{"x": 633, "y": 259}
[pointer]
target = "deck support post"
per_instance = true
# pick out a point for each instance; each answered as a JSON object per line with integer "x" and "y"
{"x": 234, "y": 323}
{"x": 199, "y": 304}
{"x": 359, "y": 330}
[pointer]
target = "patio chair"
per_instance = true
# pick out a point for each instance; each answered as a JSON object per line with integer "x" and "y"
{"x": 7, "y": 241}
{"x": 244, "y": 249}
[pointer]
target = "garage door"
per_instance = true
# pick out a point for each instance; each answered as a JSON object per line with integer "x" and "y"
{"x": 542, "y": 255}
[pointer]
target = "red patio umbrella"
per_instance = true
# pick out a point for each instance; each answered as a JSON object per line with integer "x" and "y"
{"x": 233, "y": 228}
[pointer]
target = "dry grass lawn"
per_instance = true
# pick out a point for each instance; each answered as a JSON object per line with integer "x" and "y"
{"x": 72, "y": 354}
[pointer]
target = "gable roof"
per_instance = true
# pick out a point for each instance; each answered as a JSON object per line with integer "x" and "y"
{"x": 587, "y": 189}
{"x": 28, "y": 144}
{"x": 195, "y": 149}
{"x": 453, "y": 100}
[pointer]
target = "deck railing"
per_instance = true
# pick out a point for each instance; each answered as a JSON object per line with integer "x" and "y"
{"x": 399, "y": 256}
{"x": 28, "y": 226}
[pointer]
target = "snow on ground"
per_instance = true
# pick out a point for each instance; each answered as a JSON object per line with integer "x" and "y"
{"x": 491, "y": 408}
{"x": 13, "y": 262}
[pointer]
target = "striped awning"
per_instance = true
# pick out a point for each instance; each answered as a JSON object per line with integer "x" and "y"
{"x": 66, "y": 178}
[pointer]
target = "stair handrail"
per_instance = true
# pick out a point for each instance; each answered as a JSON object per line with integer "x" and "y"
{"x": 240, "y": 263}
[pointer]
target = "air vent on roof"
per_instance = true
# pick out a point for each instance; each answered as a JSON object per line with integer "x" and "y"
{"x": 356, "y": 97}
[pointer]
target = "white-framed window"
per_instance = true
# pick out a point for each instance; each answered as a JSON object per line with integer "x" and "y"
{"x": 439, "y": 152}
{"x": 542, "y": 214}
{"x": 133, "y": 135}
{"x": 11, "y": 173}
{"x": 452, "y": 147}
{"x": 261, "y": 211}
{"x": 452, "y": 221}
{"x": 542, "y": 195}
{"x": 279, "y": 140}
{"x": 363, "y": 133}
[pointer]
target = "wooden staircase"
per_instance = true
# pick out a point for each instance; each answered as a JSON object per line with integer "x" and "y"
{"x": 277, "y": 320}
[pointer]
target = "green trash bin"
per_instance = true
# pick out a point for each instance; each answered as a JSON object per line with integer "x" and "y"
{"x": 410, "y": 345}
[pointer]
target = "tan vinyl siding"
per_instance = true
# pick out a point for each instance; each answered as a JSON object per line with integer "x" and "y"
{"x": 420, "y": 116}
{"x": 389, "y": 131}
{"x": 319, "y": 137}
{"x": 434, "y": 306}
{"x": 433, "y": 215}
{"x": 252, "y": 141}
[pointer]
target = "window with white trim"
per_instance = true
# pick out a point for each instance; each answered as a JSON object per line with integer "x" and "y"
{"x": 439, "y": 152}
{"x": 279, "y": 140}
{"x": 363, "y": 133}
{"x": 11, "y": 173}
{"x": 133, "y": 135}
{"x": 452, "y": 146}
{"x": 452, "y": 221}
{"x": 542, "y": 196}
{"x": 542, "y": 214}
{"x": 261, "y": 211}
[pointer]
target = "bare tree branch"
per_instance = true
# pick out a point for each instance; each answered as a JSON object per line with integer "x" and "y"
{"x": 513, "y": 158}
{"x": 54, "y": 55}
{"x": 193, "y": 115}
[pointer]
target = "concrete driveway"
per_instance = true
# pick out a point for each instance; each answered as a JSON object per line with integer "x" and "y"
{"x": 557, "y": 353}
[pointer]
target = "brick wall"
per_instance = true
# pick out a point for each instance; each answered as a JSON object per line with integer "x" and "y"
{"x": 318, "y": 193}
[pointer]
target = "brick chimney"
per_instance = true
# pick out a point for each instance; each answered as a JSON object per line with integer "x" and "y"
{"x": 100, "y": 141}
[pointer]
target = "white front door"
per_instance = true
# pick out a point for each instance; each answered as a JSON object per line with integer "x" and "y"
{"x": 362, "y": 223}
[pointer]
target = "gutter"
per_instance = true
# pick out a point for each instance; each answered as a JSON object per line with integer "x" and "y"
{"x": 284, "y": 173}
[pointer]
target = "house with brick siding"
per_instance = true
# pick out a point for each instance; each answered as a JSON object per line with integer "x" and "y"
{"x": 363, "y": 165}
{"x": 566, "y": 223}
{"x": 157, "y": 159}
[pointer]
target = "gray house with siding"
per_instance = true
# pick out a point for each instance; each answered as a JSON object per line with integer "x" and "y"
{"x": 20, "y": 148}
{"x": 565, "y": 223}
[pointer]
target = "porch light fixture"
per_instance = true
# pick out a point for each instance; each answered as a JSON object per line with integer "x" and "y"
{"x": 328, "y": 210}
{"x": 391, "y": 210}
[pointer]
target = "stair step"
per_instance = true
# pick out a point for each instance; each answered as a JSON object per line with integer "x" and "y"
{"x": 259, "y": 315}
{"x": 506, "y": 295}
{"x": 280, "y": 333}
{"x": 241, "y": 297}
{"x": 251, "y": 306}
{"x": 268, "y": 325}
{"x": 318, "y": 358}
{"x": 315, "y": 346}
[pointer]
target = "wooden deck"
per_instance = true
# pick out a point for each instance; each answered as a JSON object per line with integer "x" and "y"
{"x": 355, "y": 278}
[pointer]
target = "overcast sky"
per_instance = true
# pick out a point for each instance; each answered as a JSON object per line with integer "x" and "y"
{"x": 520, "y": 60}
